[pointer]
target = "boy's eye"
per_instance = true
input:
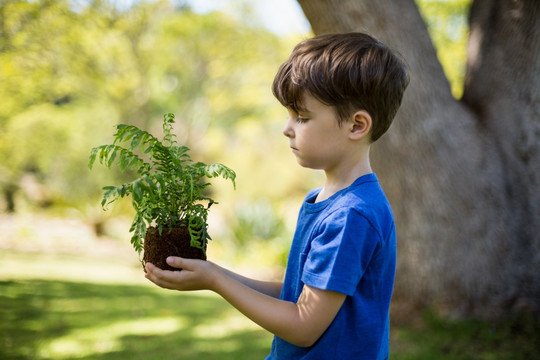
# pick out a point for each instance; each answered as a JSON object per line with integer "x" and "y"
{"x": 301, "y": 120}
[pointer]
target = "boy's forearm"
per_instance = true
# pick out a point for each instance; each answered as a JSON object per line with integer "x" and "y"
{"x": 270, "y": 288}
{"x": 281, "y": 318}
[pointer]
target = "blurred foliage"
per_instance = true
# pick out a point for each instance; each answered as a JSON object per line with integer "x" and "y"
{"x": 71, "y": 70}
{"x": 448, "y": 27}
{"x": 257, "y": 219}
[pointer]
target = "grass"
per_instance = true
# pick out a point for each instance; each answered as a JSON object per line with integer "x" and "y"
{"x": 44, "y": 319}
{"x": 75, "y": 307}
{"x": 433, "y": 337}
{"x": 69, "y": 306}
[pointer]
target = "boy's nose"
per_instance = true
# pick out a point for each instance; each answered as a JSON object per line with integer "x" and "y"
{"x": 288, "y": 130}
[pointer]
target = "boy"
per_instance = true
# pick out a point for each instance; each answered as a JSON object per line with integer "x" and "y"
{"x": 342, "y": 92}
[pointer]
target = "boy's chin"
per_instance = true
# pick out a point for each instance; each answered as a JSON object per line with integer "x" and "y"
{"x": 306, "y": 164}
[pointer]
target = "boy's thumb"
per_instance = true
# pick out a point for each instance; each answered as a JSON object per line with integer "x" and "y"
{"x": 176, "y": 262}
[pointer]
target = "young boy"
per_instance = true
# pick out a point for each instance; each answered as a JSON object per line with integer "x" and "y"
{"x": 342, "y": 92}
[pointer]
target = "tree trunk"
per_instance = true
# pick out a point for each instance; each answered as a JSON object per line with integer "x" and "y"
{"x": 462, "y": 176}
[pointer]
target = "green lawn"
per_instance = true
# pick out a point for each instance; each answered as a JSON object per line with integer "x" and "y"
{"x": 44, "y": 319}
{"x": 50, "y": 308}
{"x": 433, "y": 338}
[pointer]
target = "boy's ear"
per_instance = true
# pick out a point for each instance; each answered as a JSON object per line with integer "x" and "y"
{"x": 360, "y": 125}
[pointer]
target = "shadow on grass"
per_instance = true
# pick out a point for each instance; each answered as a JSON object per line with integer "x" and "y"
{"x": 65, "y": 320}
{"x": 41, "y": 319}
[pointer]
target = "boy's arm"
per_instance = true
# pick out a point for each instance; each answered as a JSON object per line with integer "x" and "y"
{"x": 300, "y": 323}
{"x": 270, "y": 288}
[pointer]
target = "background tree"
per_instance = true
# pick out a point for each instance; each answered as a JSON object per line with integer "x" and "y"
{"x": 462, "y": 175}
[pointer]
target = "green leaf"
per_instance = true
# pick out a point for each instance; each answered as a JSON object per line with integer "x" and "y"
{"x": 124, "y": 162}
{"x": 215, "y": 170}
{"x": 150, "y": 182}
{"x": 134, "y": 162}
{"x": 111, "y": 158}
{"x": 147, "y": 143}
{"x": 92, "y": 159}
{"x": 137, "y": 191}
{"x": 109, "y": 192}
{"x": 135, "y": 141}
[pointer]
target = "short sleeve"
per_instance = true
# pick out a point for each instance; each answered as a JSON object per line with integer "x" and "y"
{"x": 340, "y": 252}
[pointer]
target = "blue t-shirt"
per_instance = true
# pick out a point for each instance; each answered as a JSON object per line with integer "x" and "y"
{"x": 347, "y": 244}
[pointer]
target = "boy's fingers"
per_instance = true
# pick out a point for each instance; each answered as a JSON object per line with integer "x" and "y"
{"x": 149, "y": 266}
{"x": 158, "y": 276}
{"x": 161, "y": 282}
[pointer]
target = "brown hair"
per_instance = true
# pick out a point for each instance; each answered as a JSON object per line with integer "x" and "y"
{"x": 350, "y": 72}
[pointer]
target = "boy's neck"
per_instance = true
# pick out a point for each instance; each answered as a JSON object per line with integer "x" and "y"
{"x": 343, "y": 177}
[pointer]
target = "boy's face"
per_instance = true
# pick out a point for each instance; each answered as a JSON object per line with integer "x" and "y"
{"x": 315, "y": 137}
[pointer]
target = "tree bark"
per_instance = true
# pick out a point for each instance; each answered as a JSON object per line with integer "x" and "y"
{"x": 462, "y": 180}
{"x": 503, "y": 88}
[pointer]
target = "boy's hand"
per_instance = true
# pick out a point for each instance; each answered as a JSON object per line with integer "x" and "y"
{"x": 195, "y": 274}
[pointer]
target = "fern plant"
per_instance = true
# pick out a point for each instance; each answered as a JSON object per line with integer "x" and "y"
{"x": 169, "y": 189}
